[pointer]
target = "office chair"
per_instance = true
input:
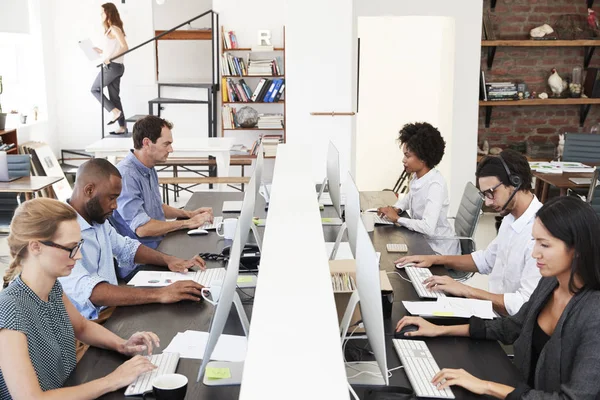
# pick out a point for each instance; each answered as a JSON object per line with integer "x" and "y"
{"x": 593, "y": 196}
{"x": 18, "y": 165}
{"x": 582, "y": 147}
{"x": 465, "y": 225}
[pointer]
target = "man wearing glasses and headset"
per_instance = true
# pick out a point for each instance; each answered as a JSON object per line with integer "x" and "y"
{"x": 505, "y": 184}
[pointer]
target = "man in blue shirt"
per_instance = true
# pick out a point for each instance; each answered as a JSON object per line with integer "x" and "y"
{"x": 92, "y": 285}
{"x": 141, "y": 213}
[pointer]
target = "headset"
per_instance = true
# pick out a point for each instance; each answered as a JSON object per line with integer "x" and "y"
{"x": 515, "y": 181}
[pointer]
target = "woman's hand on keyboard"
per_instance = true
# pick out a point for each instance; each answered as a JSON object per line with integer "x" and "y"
{"x": 425, "y": 328}
{"x": 419, "y": 261}
{"x": 390, "y": 212}
{"x": 129, "y": 371}
{"x": 180, "y": 265}
{"x": 459, "y": 377}
{"x": 140, "y": 342}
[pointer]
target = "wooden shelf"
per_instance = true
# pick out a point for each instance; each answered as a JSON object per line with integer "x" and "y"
{"x": 585, "y": 105}
{"x": 253, "y": 129}
{"x": 590, "y": 3}
{"x": 589, "y": 47}
{"x": 253, "y": 76}
{"x": 195, "y": 34}
{"x": 253, "y": 102}
{"x": 256, "y": 51}
{"x": 14, "y": 150}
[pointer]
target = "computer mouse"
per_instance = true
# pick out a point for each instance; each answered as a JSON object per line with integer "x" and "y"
{"x": 409, "y": 264}
{"x": 195, "y": 232}
{"x": 406, "y": 329}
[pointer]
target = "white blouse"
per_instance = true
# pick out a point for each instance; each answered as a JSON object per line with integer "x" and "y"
{"x": 427, "y": 203}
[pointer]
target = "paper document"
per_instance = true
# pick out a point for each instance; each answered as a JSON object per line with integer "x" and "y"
{"x": 87, "y": 47}
{"x": 160, "y": 278}
{"x": 232, "y": 206}
{"x": 191, "y": 344}
{"x": 451, "y": 307}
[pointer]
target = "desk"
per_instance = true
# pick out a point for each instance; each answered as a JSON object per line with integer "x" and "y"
{"x": 29, "y": 185}
{"x": 561, "y": 181}
{"x": 185, "y": 147}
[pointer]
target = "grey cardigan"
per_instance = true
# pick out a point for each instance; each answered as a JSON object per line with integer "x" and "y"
{"x": 569, "y": 364}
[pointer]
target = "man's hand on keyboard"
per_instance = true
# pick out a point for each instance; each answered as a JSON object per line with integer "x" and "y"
{"x": 447, "y": 285}
{"x": 459, "y": 377}
{"x": 198, "y": 220}
{"x": 390, "y": 212}
{"x": 180, "y": 265}
{"x": 140, "y": 342}
{"x": 201, "y": 210}
{"x": 179, "y": 291}
{"x": 419, "y": 261}
{"x": 425, "y": 328}
{"x": 129, "y": 370}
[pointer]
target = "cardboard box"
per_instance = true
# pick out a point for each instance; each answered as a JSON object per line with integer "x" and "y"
{"x": 343, "y": 297}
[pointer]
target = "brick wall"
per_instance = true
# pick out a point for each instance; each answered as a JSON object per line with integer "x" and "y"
{"x": 513, "y": 19}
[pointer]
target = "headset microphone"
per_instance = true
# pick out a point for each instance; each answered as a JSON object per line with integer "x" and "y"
{"x": 515, "y": 181}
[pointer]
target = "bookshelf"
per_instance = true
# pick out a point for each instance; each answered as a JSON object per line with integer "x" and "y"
{"x": 245, "y": 87}
{"x": 9, "y": 136}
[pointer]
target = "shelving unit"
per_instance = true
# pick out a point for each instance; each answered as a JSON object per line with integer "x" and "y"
{"x": 10, "y": 136}
{"x": 588, "y": 45}
{"x": 590, "y": 3}
{"x": 251, "y": 82}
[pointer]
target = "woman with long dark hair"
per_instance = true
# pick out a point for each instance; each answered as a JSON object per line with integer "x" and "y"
{"x": 556, "y": 333}
{"x": 114, "y": 45}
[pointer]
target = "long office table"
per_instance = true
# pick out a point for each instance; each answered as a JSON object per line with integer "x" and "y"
{"x": 484, "y": 359}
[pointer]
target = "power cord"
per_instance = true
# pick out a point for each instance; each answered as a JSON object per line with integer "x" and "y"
{"x": 400, "y": 275}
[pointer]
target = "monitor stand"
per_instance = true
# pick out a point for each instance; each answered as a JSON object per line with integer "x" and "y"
{"x": 359, "y": 372}
{"x": 338, "y": 240}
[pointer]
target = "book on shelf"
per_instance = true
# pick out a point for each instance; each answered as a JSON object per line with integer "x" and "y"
{"x": 270, "y": 121}
{"x": 233, "y": 66}
{"x": 229, "y": 39}
{"x": 497, "y": 91}
{"x": 228, "y": 118}
{"x": 273, "y": 66}
{"x": 267, "y": 91}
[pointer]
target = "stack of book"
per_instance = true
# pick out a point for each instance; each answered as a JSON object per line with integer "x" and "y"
{"x": 267, "y": 91}
{"x": 229, "y": 39}
{"x": 7, "y": 146}
{"x": 265, "y": 67}
{"x": 501, "y": 91}
{"x": 270, "y": 143}
{"x": 233, "y": 66}
{"x": 228, "y": 118}
{"x": 270, "y": 121}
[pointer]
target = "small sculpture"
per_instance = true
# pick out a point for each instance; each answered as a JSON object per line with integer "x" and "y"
{"x": 543, "y": 95}
{"x": 592, "y": 19}
{"x": 541, "y": 31}
{"x": 485, "y": 149}
{"x": 556, "y": 83}
{"x": 247, "y": 117}
{"x": 495, "y": 151}
{"x": 561, "y": 146}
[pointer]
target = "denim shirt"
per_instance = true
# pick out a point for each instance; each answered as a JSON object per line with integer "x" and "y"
{"x": 139, "y": 201}
{"x": 101, "y": 244}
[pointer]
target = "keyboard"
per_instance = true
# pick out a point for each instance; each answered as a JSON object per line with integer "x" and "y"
{"x": 420, "y": 366}
{"x": 166, "y": 363}
{"x": 417, "y": 276}
{"x": 205, "y": 278}
{"x": 211, "y": 225}
{"x": 381, "y": 220}
{"x": 397, "y": 247}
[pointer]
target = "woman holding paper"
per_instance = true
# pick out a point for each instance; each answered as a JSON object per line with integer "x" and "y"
{"x": 114, "y": 45}
{"x": 555, "y": 334}
{"x": 38, "y": 322}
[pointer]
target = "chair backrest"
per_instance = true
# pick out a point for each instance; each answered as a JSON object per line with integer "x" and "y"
{"x": 467, "y": 216}
{"x": 582, "y": 147}
{"x": 19, "y": 165}
{"x": 593, "y": 197}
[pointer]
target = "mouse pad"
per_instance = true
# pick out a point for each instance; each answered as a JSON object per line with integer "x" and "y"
{"x": 389, "y": 393}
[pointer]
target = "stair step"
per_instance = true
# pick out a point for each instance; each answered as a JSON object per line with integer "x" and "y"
{"x": 166, "y": 100}
{"x": 122, "y": 135}
{"x": 190, "y": 85}
{"x": 135, "y": 117}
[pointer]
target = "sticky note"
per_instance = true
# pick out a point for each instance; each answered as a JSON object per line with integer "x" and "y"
{"x": 325, "y": 219}
{"x": 321, "y": 207}
{"x": 443, "y": 313}
{"x": 218, "y": 373}
{"x": 244, "y": 279}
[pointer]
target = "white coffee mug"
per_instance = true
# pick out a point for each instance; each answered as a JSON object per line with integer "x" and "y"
{"x": 228, "y": 228}
{"x": 214, "y": 290}
{"x": 369, "y": 221}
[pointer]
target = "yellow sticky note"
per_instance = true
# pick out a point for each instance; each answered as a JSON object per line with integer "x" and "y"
{"x": 325, "y": 219}
{"x": 443, "y": 313}
{"x": 244, "y": 279}
{"x": 218, "y": 373}
{"x": 321, "y": 207}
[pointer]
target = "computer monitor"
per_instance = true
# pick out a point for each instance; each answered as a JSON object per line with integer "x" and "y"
{"x": 368, "y": 296}
{"x": 333, "y": 178}
{"x": 352, "y": 211}
{"x": 229, "y": 296}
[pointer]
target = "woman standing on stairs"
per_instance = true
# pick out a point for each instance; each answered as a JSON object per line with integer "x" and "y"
{"x": 114, "y": 44}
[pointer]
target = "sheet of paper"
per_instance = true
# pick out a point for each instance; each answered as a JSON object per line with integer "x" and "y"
{"x": 160, "y": 278}
{"x": 451, "y": 307}
{"x": 87, "y": 47}
{"x": 191, "y": 344}
{"x": 232, "y": 206}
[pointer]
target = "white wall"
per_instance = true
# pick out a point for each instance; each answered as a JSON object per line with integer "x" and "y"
{"x": 467, "y": 15}
{"x": 402, "y": 80}
{"x": 14, "y": 16}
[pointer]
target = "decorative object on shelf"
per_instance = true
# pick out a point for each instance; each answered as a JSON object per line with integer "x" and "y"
{"x": 23, "y": 118}
{"x": 35, "y": 113}
{"x": 592, "y": 19}
{"x": 556, "y": 83}
{"x": 533, "y": 95}
{"x": 264, "y": 41}
{"x": 541, "y": 32}
{"x": 543, "y": 95}
{"x": 576, "y": 82}
{"x": 485, "y": 149}
{"x": 521, "y": 90}
{"x": 247, "y": 117}
{"x": 560, "y": 148}
{"x": 495, "y": 151}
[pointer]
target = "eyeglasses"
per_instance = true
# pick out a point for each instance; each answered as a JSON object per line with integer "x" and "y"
{"x": 489, "y": 193}
{"x": 72, "y": 251}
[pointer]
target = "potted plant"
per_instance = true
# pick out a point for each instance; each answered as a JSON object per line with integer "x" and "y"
{"x": 2, "y": 114}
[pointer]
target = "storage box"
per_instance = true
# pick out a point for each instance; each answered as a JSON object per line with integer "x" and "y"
{"x": 343, "y": 297}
